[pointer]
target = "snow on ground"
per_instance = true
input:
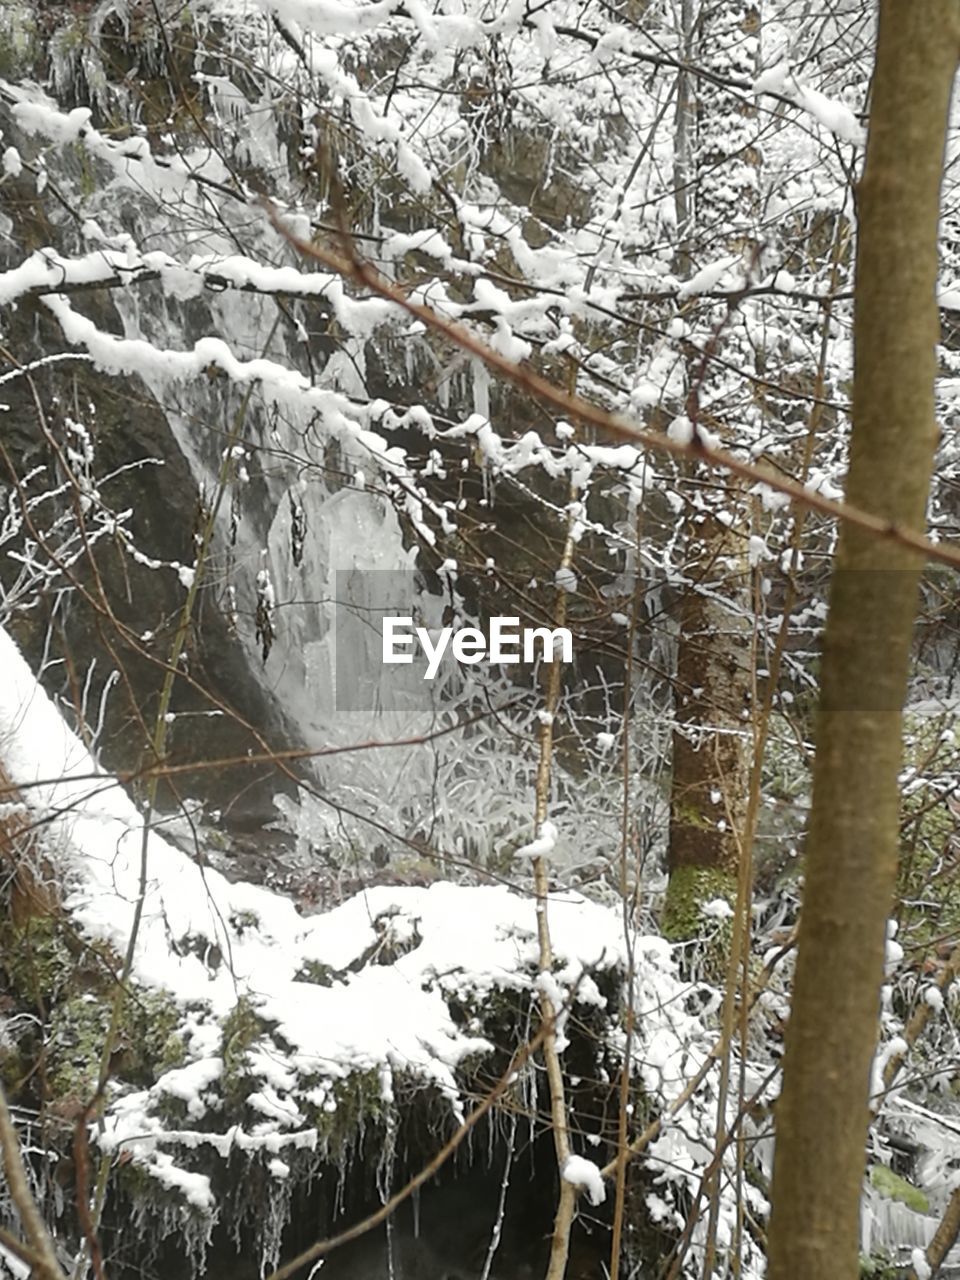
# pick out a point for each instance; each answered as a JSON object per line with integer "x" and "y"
{"x": 209, "y": 942}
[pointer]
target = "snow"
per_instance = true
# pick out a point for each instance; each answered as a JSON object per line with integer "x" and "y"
{"x": 14, "y": 1267}
{"x": 921, "y": 1267}
{"x": 758, "y": 550}
{"x": 895, "y": 1047}
{"x": 131, "y": 161}
{"x": 507, "y": 344}
{"x": 453, "y": 943}
{"x": 821, "y": 482}
{"x": 11, "y": 162}
{"x": 190, "y": 1083}
{"x": 543, "y": 845}
{"x": 717, "y": 909}
{"x": 708, "y": 277}
{"x": 833, "y": 115}
{"x": 933, "y": 998}
{"x": 680, "y": 430}
{"x": 566, "y": 580}
{"x": 583, "y": 1173}
{"x": 194, "y": 1187}
{"x": 893, "y": 951}
{"x": 48, "y": 270}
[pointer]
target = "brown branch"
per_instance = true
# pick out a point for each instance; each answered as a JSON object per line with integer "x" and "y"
{"x": 613, "y": 425}
{"x": 627, "y": 906}
{"x": 165, "y": 768}
{"x": 81, "y": 1159}
{"x": 17, "y": 1248}
{"x": 919, "y": 1018}
{"x": 944, "y": 1237}
{"x": 559, "y": 1114}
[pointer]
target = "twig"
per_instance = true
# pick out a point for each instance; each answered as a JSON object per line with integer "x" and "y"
{"x": 567, "y": 1199}
{"x": 919, "y": 1019}
{"x": 655, "y": 1127}
{"x": 17, "y": 1248}
{"x": 574, "y": 407}
{"x": 82, "y": 1162}
{"x": 623, "y": 1154}
{"x": 944, "y": 1238}
{"x": 44, "y": 1257}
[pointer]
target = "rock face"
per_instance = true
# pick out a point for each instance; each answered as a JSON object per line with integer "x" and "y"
{"x": 413, "y": 1259}
{"x": 100, "y": 632}
{"x": 449, "y": 1239}
{"x": 297, "y": 508}
{"x": 111, "y": 606}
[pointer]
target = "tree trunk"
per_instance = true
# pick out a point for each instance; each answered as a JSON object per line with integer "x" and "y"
{"x": 851, "y": 863}
{"x": 716, "y": 173}
{"x": 711, "y": 746}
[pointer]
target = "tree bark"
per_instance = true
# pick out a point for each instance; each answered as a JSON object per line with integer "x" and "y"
{"x": 711, "y": 743}
{"x": 716, "y": 173}
{"x": 851, "y": 856}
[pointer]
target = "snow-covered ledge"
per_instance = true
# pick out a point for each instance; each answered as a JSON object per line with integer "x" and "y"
{"x": 287, "y": 1031}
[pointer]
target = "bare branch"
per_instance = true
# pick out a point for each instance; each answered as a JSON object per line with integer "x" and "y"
{"x": 573, "y": 406}
{"x": 44, "y": 1257}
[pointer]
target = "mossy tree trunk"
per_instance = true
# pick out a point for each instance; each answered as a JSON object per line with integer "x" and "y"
{"x": 711, "y": 760}
{"x": 716, "y": 177}
{"x": 822, "y": 1115}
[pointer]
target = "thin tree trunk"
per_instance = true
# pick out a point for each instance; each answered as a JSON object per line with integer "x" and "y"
{"x": 851, "y": 864}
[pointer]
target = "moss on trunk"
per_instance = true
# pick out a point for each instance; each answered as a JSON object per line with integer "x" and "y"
{"x": 687, "y": 892}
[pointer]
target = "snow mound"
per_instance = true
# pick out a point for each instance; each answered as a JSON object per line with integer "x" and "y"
{"x": 298, "y": 1006}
